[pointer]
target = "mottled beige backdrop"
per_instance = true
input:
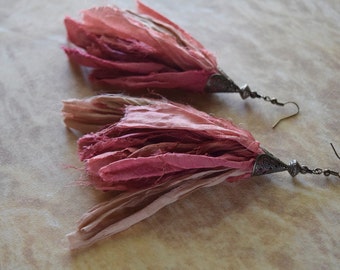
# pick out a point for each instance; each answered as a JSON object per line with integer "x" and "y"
{"x": 286, "y": 49}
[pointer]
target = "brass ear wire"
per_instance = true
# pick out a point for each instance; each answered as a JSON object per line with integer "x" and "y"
{"x": 221, "y": 83}
{"x": 267, "y": 163}
{"x": 289, "y": 116}
{"x": 337, "y": 155}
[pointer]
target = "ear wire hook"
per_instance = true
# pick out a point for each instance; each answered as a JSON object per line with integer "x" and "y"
{"x": 337, "y": 155}
{"x": 289, "y": 116}
{"x": 221, "y": 83}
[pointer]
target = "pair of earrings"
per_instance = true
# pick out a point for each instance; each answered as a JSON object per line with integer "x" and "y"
{"x": 154, "y": 151}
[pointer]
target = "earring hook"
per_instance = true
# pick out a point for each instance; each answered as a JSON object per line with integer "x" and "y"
{"x": 289, "y": 116}
{"x": 337, "y": 155}
{"x": 221, "y": 83}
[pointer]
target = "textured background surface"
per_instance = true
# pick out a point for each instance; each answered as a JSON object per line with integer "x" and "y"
{"x": 286, "y": 49}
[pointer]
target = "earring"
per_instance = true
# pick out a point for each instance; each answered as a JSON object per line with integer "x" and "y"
{"x": 154, "y": 153}
{"x": 144, "y": 50}
{"x": 267, "y": 163}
